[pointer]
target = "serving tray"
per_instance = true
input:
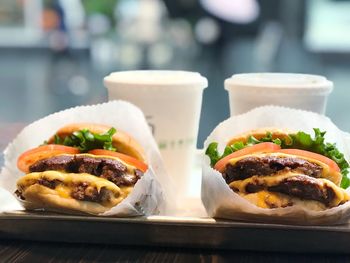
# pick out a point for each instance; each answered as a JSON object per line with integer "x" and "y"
{"x": 174, "y": 231}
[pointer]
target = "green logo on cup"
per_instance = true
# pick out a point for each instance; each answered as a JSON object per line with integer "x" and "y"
{"x": 175, "y": 144}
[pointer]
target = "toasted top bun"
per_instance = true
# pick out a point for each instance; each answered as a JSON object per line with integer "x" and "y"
{"x": 260, "y": 133}
{"x": 121, "y": 140}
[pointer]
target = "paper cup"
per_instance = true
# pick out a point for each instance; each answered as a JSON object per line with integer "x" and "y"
{"x": 300, "y": 91}
{"x": 171, "y": 102}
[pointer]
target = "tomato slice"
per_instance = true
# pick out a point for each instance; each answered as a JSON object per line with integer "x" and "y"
{"x": 260, "y": 147}
{"x": 126, "y": 158}
{"x": 332, "y": 164}
{"x": 31, "y": 156}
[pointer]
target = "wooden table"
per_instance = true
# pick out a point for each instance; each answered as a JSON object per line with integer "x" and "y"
{"x": 20, "y": 251}
{"x": 27, "y": 251}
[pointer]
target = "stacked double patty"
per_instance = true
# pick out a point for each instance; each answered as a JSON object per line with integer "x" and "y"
{"x": 304, "y": 186}
{"x": 110, "y": 169}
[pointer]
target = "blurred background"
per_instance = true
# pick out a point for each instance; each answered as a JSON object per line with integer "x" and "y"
{"x": 55, "y": 53}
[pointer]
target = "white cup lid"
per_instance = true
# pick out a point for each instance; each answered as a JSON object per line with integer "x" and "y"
{"x": 279, "y": 82}
{"x": 158, "y": 78}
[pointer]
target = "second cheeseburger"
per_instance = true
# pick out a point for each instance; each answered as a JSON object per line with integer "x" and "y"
{"x": 83, "y": 167}
{"x": 274, "y": 168}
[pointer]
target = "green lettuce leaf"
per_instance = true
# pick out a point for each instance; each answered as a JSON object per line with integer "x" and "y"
{"x": 85, "y": 140}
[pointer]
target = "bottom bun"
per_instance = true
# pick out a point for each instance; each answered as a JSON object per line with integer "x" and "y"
{"x": 60, "y": 197}
{"x": 38, "y": 196}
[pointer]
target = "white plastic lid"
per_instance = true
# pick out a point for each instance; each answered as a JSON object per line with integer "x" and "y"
{"x": 288, "y": 82}
{"x": 159, "y": 78}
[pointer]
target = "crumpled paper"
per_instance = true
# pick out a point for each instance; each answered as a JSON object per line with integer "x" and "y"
{"x": 221, "y": 202}
{"x": 148, "y": 196}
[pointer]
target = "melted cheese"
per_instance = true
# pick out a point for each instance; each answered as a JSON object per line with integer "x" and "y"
{"x": 68, "y": 180}
{"x": 63, "y": 191}
{"x": 331, "y": 175}
{"x": 265, "y": 199}
{"x": 266, "y": 181}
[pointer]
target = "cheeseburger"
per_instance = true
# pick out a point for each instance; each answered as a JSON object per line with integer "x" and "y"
{"x": 274, "y": 168}
{"x": 83, "y": 167}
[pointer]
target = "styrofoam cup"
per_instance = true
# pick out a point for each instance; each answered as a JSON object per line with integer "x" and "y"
{"x": 300, "y": 91}
{"x": 171, "y": 102}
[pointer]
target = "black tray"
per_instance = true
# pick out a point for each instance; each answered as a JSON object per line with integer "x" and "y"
{"x": 175, "y": 232}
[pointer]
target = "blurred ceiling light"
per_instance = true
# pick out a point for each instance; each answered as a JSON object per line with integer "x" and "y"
{"x": 160, "y": 54}
{"x": 78, "y": 85}
{"x": 207, "y": 30}
{"x": 235, "y": 11}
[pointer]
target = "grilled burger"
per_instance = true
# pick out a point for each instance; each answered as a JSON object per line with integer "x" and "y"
{"x": 83, "y": 167}
{"x": 275, "y": 168}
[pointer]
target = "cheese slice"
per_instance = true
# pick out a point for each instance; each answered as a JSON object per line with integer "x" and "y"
{"x": 327, "y": 173}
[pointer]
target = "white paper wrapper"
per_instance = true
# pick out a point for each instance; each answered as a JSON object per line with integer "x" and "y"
{"x": 220, "y": 201}
{"x": 147, "y": 196}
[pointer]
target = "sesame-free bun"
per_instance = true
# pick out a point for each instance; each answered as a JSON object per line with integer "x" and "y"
{"x": 260, "y": 133}
{"x": 41, "y": 197}
{"x": 121, "y": 140}
{"x": 59, "y": 198}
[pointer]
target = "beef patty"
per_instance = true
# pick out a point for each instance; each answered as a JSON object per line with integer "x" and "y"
{"x": 267, "y": 165}
{"x": 84, "y": 192}
{"x": 303, "y": 187}
{"x": 110, "y": 169}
